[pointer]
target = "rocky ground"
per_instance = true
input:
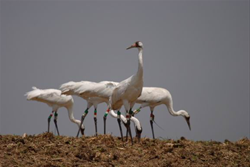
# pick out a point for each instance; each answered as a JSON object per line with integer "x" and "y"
{"x": 48, "y": 150}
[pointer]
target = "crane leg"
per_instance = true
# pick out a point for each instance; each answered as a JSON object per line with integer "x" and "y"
{"x": 127, "y": 135}
{"x": 105, "y": 118}
{"x": 136, "y": 111}
{"x": 82, "y": 119}
{"x": 55, "y": 121}
{"x": 104, "y": 121}
{"x": 49, "y": 118}
{"x": 128, "y": 115}
{"x": 95, "y": 120}
{"x": 119, "y": 123}
{"x": 129, "y": 131}
{"x": 151, "y": 123}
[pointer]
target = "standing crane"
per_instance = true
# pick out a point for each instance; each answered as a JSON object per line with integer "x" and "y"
{"x": 128, "y": 90}
{"x": 54, "y": 99}
{"x": 155, "y": 96}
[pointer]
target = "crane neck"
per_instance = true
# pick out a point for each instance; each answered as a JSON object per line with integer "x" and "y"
{"x": 136, "y": 122}
{"x": 171, "y": 109}
{"x": 140, "y": 63}
{"x": 114, "y": 115}
{"x": 71, "y": 115}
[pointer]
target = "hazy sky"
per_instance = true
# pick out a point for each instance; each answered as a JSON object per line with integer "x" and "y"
{"x": 199, "y": 51}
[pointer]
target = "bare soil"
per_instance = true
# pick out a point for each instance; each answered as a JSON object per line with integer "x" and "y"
{"x": 48, "y": 150}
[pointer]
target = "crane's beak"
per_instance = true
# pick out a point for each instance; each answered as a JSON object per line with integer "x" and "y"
{"x": 188, "y": 122}
{"x": 132, "y": 46}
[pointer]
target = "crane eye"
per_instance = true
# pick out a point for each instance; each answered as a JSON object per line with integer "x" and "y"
{"x": 138, "y": 44}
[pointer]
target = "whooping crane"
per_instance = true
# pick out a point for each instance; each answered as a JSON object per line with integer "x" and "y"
{"x": 54, "y": 99}
{"x": 154, "y": 96}
{"x": 128, "y": 90}
{"x": 75, "y": 88}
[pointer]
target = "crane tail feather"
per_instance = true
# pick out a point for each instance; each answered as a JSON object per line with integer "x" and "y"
{"x": 33, "y": 94}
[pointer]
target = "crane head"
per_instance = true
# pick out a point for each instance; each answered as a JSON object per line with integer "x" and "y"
{"x": 82, "y": 130}
{"x": 137, "y": 44}
{"x": 188, "y": 121}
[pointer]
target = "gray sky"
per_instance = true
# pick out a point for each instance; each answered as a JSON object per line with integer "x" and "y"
{"x": 199, "y": 51}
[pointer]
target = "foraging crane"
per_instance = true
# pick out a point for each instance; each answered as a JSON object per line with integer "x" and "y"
{"x": 102, "y": 90}
{"x": 128, "y": 90}
{"x": 74, "y": 88}
{"x": 154, "y": 96}
{"x": 54, "y": 99}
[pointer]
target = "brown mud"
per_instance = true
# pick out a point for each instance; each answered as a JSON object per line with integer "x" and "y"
{"x": 48, "y": 150}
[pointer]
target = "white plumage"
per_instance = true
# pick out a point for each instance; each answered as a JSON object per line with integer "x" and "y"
{"x": 101, "y": 89}
{"x": 84, "y": 89}
{"x": 154, "y": 96}
{"x": 54, "y": 99}
{"x": 150, "y": 97}
{"x": 128, "y": 90}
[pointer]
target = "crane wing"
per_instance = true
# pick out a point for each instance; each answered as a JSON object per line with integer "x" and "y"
{"x": 49, "y": 96}
{"x": 151, "y": 95}
{"x": 102, "y": 89}
{"x": 73, "y": 88}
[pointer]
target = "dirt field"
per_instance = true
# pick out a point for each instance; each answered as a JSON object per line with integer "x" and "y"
{"x": 48, "y": 150}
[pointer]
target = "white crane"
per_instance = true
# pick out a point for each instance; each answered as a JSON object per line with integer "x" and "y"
{"x": 128, "y": 90}
{"x": 100, "y": 90}
{"x": 74, "y": 88}
{"x": 54, "y": 99}
{"x": 154, "y": 96}
{"x": 138, "y": 127}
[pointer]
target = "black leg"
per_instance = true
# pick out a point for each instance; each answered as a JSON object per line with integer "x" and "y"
{"x": 129, "y": 131}
{"x": 82, "y": 119}
{"x": 104, "y": 120}
{"x": 151, "y": 123}
{"x": 95, "y": 119}
{"x": 126, "y": 134}
{"x": 120, "y": 127}
{"x": 129, "y": 128}
{"x": 55, "y": 121}
{"x": 152, "y": 128}
{"x": 49, "y": 118}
